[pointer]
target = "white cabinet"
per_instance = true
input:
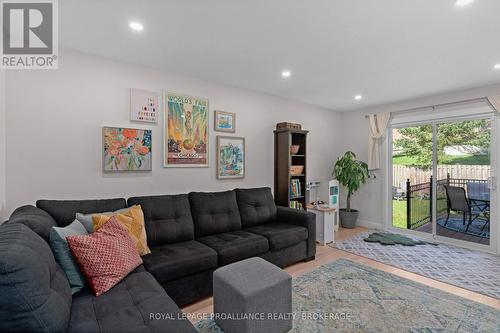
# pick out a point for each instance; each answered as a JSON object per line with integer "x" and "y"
{"x": 325, "y": 224}
{"x": 333, "y": 199}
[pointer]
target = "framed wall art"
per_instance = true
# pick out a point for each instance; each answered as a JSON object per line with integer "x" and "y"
{"x": 186, "y": 131}
{"x": 225, "y": 121}
{"x": 143, "y": 106}
{"x": 126, "y": 149}
{"x": 230, "y": 157}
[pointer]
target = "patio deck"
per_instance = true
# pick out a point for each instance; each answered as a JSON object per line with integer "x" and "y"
{"x": 419, "y": 198}
{"x": 445, "y": 232}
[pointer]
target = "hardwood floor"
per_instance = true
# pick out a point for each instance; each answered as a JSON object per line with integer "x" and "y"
{"x": 326, "y": 254}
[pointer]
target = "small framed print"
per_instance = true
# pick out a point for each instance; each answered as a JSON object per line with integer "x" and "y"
{"x": 225, "y": 121}
{"x": 143, "y": 106}
{"x": 230, "y": 157}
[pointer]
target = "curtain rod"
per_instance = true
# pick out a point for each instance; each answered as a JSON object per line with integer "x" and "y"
{"x": 441, "y": 105}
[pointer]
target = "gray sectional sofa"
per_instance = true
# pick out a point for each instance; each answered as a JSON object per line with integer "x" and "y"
{"x": 190, "y": 235}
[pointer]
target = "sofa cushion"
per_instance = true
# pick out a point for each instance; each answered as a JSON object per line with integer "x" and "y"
{"x": 105, "y": 256}
{"x": 173, "y": 261}
{"x": 256, "y": 206}
{"x": 236, "y": 245}
{"x": 64, "y": 211}
{"x": 214, "y": 213}
{"x": 130, "y": 306}
{"x": 36, "y": 219}
{"x": 280, "y": 235}
{"x": 167, "y": 217}
{"x": 63, "y": 256}
{"x": 34, "y": 293}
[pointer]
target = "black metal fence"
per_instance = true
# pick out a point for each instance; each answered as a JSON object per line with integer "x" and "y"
{"x": 419, "y": 198}
{"x": 418, "y": 204}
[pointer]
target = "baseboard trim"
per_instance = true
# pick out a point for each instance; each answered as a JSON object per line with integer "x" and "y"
{"x": 369, "y": 224}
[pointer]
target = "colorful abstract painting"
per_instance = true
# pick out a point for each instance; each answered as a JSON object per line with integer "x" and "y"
{"x": 230, "y": 157}
{"x": 225, "y": 121}
{"x": 127, "y": 149}
{"x": 186, "y": 131}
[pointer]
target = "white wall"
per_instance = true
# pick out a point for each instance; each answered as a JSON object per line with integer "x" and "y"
{"x": 368, "y": 200}
{"x": 2, "y": 146}
{"x": 54, "y": 121}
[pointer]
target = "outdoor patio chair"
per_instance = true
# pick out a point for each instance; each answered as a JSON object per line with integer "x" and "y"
{"x": 478, "y": 189}
{"x": 398, "y": 194}
{"x": 458, "y": 201}
{"x": 424, "y": 193}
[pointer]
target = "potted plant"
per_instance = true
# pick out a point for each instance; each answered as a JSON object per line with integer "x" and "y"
{"x": 351, "y": 174}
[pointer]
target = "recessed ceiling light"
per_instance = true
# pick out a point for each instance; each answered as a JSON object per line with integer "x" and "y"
{"x": 136, "y": 26}
{"x": 497, "y": 66}
{"x": 358, "y": 97}
{"x": 463, "y": 3}
{"x": 286, "y": 73}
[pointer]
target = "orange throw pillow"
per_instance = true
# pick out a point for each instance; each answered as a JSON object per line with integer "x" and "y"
{"x": 133, "y": 221}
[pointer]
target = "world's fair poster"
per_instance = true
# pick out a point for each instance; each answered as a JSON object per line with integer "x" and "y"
{"x": 186, "y": 131}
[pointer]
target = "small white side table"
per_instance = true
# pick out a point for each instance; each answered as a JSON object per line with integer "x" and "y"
{"x": 325, "y": 223}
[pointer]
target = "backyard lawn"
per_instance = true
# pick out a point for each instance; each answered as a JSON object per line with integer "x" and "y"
{"x": 449, "y": 160}
{"x": 420, "y": 210}
{"x": 399, "y": 213}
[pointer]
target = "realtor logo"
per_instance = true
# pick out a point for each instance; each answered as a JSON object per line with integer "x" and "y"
{"x": 29, "y": 34}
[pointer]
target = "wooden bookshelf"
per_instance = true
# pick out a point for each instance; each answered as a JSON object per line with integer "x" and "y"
{"x": 283, "y": 139}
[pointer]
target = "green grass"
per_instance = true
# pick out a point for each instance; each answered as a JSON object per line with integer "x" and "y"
{"x": 399, "y": 210}
{"x": 403, "y": 160}
{"x": 399, "y": 213}
{"x": 467, "y": 160}
{"x": 448, "y": 160}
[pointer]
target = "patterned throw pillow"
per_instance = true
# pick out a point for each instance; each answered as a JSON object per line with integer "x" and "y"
{"x": 133, "y": 220}
{"x": 106, "y": 256}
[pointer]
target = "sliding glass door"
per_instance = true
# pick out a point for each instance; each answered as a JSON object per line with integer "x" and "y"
{"x": 442, "y": 179}
{"x": 463, "y": 180}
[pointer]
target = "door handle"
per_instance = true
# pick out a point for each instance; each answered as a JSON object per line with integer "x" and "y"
{"x": 492, "y": 183}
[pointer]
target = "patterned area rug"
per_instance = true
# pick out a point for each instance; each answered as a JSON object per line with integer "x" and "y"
{"x": 456, "y": 223}
{"x": 348, "y": 297}
{"x": 472, "y": 270}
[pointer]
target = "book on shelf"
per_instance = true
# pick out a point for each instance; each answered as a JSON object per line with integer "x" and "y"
{"x": 296, "y": 204}
{"x": 295, "y": 190}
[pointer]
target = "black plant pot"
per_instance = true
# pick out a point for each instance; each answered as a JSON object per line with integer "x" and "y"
{"x": 348, "y": 219}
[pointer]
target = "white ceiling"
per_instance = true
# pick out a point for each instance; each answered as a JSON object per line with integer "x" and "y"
{"x": 386, "y": 50}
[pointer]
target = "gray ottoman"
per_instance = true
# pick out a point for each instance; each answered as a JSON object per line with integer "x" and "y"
{"x": 253, "y": 295}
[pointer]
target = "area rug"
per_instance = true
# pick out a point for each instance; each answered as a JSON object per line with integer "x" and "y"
{"x": 456, "y": 223}
{"x": 386, "y": 238}
{"x": 472, "y": 270}
{"x": 344, "y": 296}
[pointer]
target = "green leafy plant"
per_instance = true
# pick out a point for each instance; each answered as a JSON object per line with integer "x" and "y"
{"x": 467, "y": 136}
{"x": 351, "y": 174}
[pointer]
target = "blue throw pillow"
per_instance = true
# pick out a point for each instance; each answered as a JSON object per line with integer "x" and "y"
{"x": 86, "y": 219}
{"x": 63, "y": 255}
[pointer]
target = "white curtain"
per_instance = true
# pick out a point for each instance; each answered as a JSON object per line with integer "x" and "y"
{"x": 495, "y": 101}
{"x": 378, "y": 125}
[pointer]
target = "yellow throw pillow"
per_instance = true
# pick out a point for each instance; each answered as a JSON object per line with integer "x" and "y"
{"x": 133, "y": 220}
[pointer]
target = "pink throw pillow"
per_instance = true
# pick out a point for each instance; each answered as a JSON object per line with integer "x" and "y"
{"x": 106, "y": 256}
